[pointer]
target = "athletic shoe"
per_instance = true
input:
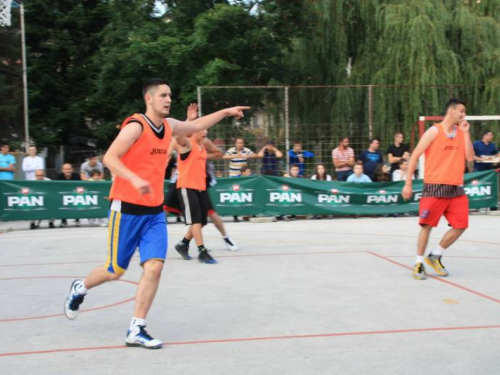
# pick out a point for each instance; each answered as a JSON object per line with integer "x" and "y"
{"x": 435, "y": 262}
{"x": 419, "y": 272}
{"x": 138, "y": 336}
{"x": 183, "y": 250}
{"x": 64, "y": 223}
{"x": 77, "y": 222}
{"x": 230, "y": 244}
{"x": 33, "y": 226}
{"x": 73, "y": 301}
{"x": 205, "y": 257}
{"x": 51, "y": 225}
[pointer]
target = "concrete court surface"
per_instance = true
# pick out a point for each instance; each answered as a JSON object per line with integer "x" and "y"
{"x": 304, "y": 297}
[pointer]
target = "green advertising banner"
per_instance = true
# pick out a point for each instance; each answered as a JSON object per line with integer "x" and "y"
{"x": 270, "y": 195}
{"x": 266, "y": 195}
{"x": 32, "y": 200}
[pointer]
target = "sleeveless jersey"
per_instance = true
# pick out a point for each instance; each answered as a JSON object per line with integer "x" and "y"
{"x": 192, "y": 170}
{"x": 147, "y": 158}
{"x": 445, "y": 158}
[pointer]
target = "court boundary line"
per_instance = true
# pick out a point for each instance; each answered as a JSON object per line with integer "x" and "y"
{"x": 264, "y": 338}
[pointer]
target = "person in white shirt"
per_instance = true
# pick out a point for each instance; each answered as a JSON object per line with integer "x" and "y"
{"x": 400, "y": 174}
{"x": 39, "y": 175}
{"x": 321, "y": 174}
{"x": 31, "y": 163}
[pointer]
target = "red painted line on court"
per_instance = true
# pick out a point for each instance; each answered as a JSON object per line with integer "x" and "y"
{"x": 218, "y": 256}
{"x": 51, "y": 264}
{"x": 270, "y": 338}
{"x": 440, "y": 279}
{"x": 58, "y": 315}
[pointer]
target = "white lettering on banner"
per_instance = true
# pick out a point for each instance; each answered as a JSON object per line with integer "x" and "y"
{"x": 322, "y": 198}
{"x": 85, "y": 200}
{"x": 24, "y": 201}
{"x": 285, "y": 197}
{"x": 236, "y": 197}
{"x": 478, "y": 191}
{"x": 382, "y": 199}
{"x": 417, "y": 196}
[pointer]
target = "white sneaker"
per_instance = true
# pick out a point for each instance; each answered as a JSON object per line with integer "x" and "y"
{"x": 230, "y": 244}
{"x": 74, "y": 300}
{"x": 138, "y": 336}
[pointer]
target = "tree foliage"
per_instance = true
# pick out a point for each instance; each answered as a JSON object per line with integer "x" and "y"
{"x": 414, "y": 43}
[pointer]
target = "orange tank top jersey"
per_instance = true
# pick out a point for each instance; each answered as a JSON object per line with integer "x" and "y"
{"x": 147, "y": 158}
{"x": 193, "y": 170}
{"x": 445, "y": 158}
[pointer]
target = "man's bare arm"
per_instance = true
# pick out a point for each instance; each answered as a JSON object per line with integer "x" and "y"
{"x": 422, "y": 145}
{"x": 123, "y": 142}
{"x": 189, "y": 127}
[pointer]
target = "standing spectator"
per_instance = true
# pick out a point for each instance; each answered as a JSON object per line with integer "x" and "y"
{"x": 483, "y": 149}
{"x": 31, "y": 163}
{"x": 91, "y": 164}
{"x": 358, "y": 176}
{"x": 321, "y": 174}
{"x": 397, "y": 151}
{"x": 238, "y": 157}
{"x": 39, "y": 175}
{"x": 7, "y": 163}
{"x": 270, "y": 155}
{"x": 371, "y": 158}
{"x": 67, "y": 174}
{"x": 400, "y": 173}
{"x": 297, "y": 157}
{"x": 343, "y": 159}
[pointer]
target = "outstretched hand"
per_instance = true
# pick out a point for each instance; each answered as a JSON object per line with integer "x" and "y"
{"x": 192, "y": 112}
{"x": 236, "y": 112}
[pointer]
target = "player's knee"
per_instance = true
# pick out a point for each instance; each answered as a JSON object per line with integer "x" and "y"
{"x": 114, "y": 276}
{"x": 153, "y": 268}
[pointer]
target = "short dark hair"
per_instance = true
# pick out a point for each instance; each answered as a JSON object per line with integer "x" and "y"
{"x": 359, "y": 163}
{"x": 398, "y": 133}
{"x": 297, "y": 143}
{"x": 4, "y": 144}
{"x": 453, "y": 102}
{"x": 486, "y": 132}
{"x": 374, "y": 139}
{"x": 402, "y": 161}
{"x": 153, "y": 82}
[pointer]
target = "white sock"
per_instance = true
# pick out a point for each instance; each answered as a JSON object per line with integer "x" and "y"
{"x": 419, "y": 259}
{"x": 80, "y": 289}
{"x": 137, "y": 322}
{"x": 438, "y": 250}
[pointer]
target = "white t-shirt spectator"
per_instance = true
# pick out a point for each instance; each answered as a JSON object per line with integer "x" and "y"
{"x": 342, "y": 156}
{"x": 399, "y": 175}
{"x": 87, "y": 168}
{"x": 328, "y": 177}
{"x": 30, "y": 165}
{"x": 238, "y": 162}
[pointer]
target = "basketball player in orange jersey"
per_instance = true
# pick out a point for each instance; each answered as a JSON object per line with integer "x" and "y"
{"x": 447, "y": 146}
{"x": 192, "y": 188}
{"x": 138, "y": 158}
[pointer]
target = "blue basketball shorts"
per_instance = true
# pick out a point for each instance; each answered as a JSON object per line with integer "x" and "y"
{"x": 128, "y": 232}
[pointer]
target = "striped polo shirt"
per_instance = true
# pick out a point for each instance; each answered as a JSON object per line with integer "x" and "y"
{"x": 238, "y": 162}
{"x": 343, "y": 156}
